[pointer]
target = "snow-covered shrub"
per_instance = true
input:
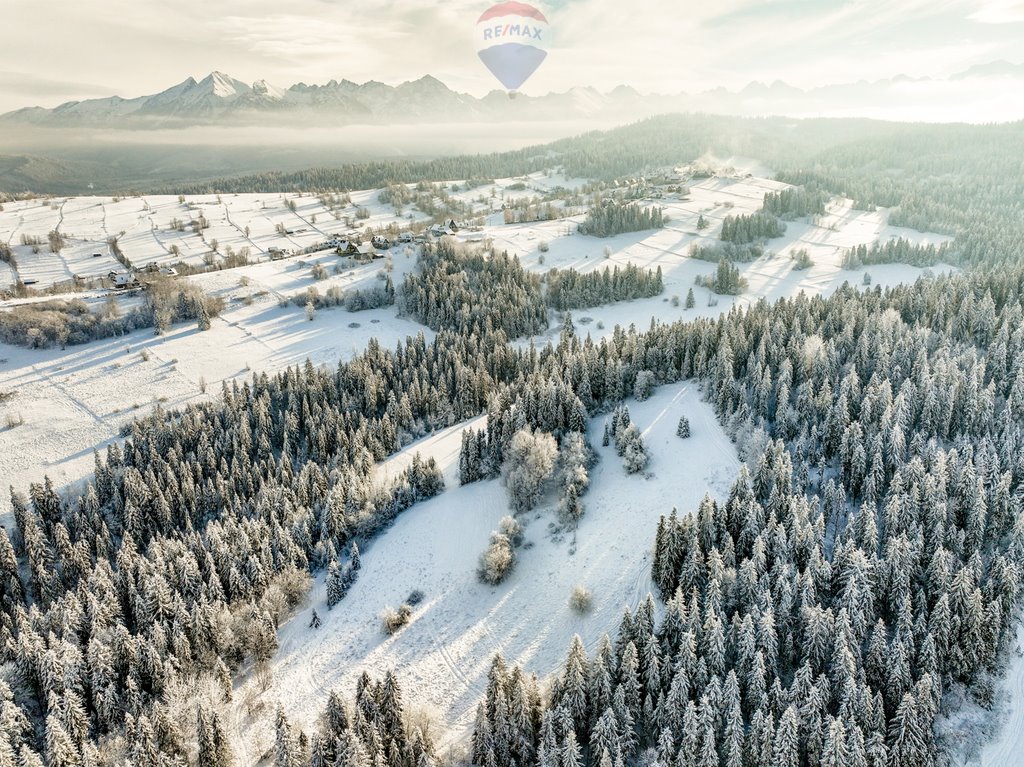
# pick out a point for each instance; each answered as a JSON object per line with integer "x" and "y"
{"x": 509, "y": 527}
{"x": 497, "y": 561}
{"x": 393, "y": 620}
{"x": 802, "y": 259}
{"x": 581, "y": 600}
{"x": 529, "y": 461}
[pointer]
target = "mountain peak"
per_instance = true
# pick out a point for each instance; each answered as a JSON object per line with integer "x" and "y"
{"x": 265, "y": 90}
{"x": 999, "y": 68}
{"x": 223, "y": 85}
{"x": 427, "y": 82}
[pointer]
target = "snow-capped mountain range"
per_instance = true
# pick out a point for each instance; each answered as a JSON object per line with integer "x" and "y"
{"x": 219, "y": 98}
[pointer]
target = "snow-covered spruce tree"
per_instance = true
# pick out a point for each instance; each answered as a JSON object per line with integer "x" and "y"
{"x": 335, "y": 584}
{"x": 634, "y": 453}
{"x": 287, "y": 747}
{"x": 354, "y": 560}
{"x": 575, "y": 459}
{"x": 214, "y": 746}
{"x": 469, "y": 460}
{"x": 683, "y": 429}
{"x": 620, "y": 422}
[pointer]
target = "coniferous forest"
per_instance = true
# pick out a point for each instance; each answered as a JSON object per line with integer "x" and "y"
{"x": 858, "y": 587}
{"x": 828, "y": 611}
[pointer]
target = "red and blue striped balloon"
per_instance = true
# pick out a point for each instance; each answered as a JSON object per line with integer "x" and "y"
{"x": 512, "y": 41}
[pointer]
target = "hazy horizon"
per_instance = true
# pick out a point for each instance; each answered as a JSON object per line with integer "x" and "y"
{"x": 595, "y": 43}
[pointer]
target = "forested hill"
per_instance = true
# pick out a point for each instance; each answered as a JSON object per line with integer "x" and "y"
{"x": 891, "y": 151}
{"x": 963, "y": 180}
{"x": 629, "y": 150}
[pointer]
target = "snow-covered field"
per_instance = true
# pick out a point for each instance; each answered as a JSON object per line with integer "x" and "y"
{"x": 72, "y": 401}
{"x": 157, "y": 229}
{"x": 76, "y": 400}
{"x": 445, "y": 651}
{"x": 770, "y": 277}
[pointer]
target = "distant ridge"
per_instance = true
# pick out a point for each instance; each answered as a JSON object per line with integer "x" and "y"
{"x": 219, "y": 98}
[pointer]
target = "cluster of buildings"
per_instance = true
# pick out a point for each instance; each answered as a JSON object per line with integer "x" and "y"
{"x": 352, "y": 244}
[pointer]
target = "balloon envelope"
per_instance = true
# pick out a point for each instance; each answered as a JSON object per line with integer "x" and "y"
{"x": 512, "y": 41}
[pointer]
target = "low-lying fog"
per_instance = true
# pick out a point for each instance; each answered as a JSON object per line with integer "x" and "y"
{"x": 71, "y": 159}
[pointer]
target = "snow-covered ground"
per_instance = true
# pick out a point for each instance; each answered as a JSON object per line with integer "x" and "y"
{"x": 72, "y": 401}
{"x": 445, "y": 651}
{"x": 76, "y": 400}
{"x": 147, "y": 229}
{"x": 1006, "y": 749}
{"x": 770, "y": 277}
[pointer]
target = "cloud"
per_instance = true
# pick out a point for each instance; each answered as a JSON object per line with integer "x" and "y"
{"x": 32, "y": 85}
{"x": 999, "y": 12}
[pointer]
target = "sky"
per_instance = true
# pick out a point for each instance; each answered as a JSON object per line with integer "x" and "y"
{"x": 61, "y": 50}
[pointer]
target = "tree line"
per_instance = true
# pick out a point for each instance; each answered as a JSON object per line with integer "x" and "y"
{"x": 569, "y": 289}
{"x": 795, "y": 202}
{"x": 610, "y": 218}
{"x": 62, "y": 322}
{"x": 740, "y": 230}
{"x": 899, "y": 251}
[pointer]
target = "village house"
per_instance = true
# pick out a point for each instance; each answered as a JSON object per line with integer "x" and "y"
{"x": 123, "y": 279}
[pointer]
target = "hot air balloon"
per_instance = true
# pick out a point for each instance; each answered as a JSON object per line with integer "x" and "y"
{"x": 511, "y": 40}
